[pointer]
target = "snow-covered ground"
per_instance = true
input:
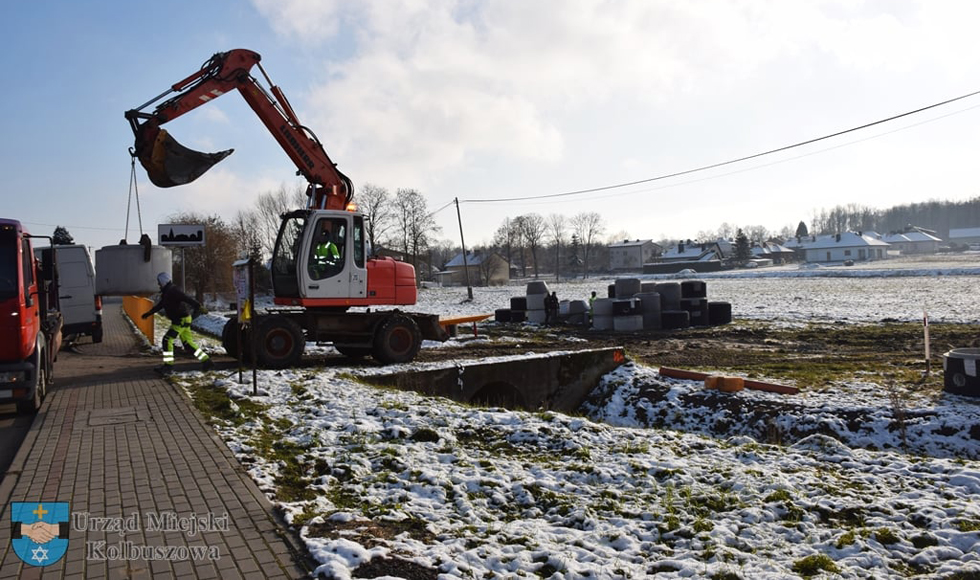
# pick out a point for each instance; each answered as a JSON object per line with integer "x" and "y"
{"x": 636, "y": 487}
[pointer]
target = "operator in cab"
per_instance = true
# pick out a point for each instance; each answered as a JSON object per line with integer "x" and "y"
{"x": 326, "y": 260}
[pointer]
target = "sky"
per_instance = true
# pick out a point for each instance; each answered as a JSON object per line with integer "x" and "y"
{"x": 497, "y": 99}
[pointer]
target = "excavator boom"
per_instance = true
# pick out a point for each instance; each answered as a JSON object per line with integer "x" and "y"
{"x": 168, "y": 163}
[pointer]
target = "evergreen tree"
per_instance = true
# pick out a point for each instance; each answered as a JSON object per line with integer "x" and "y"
{"x": 801, "y": 231}
{"x": 61, "y": 236}
{"x": 742, "y": 250}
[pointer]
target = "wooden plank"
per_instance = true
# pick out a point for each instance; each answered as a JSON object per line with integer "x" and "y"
{"x": 749, "y": 384}
{"x": 463, "y": 319}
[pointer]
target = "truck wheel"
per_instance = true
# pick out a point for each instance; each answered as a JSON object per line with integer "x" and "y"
{"x": 280, "y": 342}
{"x": 397, "y": 340}
{"x": 33, "y": 405}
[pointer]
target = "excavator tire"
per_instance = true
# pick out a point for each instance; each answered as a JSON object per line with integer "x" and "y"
{"x": 397, "y": 340}
{"x": 229, "y": 340}
{"x": 280, "y": 342}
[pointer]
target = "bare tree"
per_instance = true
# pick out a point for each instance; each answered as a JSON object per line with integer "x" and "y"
{"x": 557, "y": 229}
{"x": 376, "y": 204}
{"x": 507, "y": 238}
{"x": 245, "y": 230}
{"x": 533, "y": 228}
{"x": 269, "y": 208}
{"x": 208, "y": 267}
{"x": 488, "y": 266}
{"x": 588, "y": 226}
{"x": 416, "y": 226}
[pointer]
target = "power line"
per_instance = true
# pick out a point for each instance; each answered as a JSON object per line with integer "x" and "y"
{"x": 730, "y": 161}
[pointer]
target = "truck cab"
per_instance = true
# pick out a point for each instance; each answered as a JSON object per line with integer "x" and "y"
{"x": 30, "y": 327}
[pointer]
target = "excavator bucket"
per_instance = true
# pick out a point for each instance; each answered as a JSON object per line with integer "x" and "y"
{"x": 168, "y": 163}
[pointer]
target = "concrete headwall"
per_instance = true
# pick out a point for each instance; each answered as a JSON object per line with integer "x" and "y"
{"x": 558, "y": 382}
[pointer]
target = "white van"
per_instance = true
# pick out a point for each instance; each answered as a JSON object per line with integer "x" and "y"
{"x": 80, "y": 306}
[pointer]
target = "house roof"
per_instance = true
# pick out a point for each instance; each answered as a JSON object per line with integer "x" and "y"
{"x": 630, "y": 243}
{"x": 847, "y": 240}
{"x": 912, "y": 236}
{"x": 472, "y": 259}
{"x": 964, "y": 233}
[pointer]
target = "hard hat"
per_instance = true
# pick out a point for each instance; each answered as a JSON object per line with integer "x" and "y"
{"x": 163, "y": 279}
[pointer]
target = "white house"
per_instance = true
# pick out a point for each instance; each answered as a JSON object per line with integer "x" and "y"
{"x": 856, "y": 246}
{"x": 964, "y": 235}
{"x": 631, "y": 255}
{"x": 693, "y": 251}
{"x": 914, "y": 241}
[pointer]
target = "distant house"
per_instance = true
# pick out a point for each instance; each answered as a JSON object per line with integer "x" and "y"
{"x": 914, "y": 241}
{"x": 485, "y": 269}
{"x": 856, "y": 246}
{"x": 632, "y": 254}
{"x": 964, "y": 235}
{"x": 698, "y": 252}
{"x": 773, "y": 251}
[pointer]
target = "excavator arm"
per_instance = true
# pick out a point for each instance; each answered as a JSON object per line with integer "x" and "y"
{"x": 168, "y": 163}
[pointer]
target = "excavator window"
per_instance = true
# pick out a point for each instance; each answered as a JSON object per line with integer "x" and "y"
{"x": 327, "y": 252}
{"x": 358, "y": 240}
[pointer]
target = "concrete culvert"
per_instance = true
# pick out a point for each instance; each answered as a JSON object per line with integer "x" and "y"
{"x": 603, "y": 307}
{"x": 630, "y": 323}
{"x": 698, "y": 309}
{"x": 647, "y": 287}
{"x": 501, "y": 315}
{"x": 622, "y": 307}
{"x": 960, "y": 373}
{"x": 650, "y": 309}
{"x": 535, "y": 301}
{"x": 537, "y": 316}
{"x": 670, "y": 295}
{"x": 498, "y": 394}
{"x": 719, "y": 313}
{"x": 604, "y": 322}
{"x": 674, "y": 319}
{"x": 578, "y": 306}
{"x": 627, "y": 287}
{"x": 693, "y": 289}
{"x": 518, "y": 303}
{"x": 537, "y": 287}
{"x": 518, "y": 315}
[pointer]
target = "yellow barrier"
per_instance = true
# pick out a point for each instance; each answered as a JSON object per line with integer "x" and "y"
{"x": 134, "y": 307}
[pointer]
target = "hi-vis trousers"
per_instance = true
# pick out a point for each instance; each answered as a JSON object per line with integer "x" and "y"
{"x": 181, "y": 328}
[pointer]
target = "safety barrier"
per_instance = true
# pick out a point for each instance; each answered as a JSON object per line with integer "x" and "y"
{"x": 134, "y": 307}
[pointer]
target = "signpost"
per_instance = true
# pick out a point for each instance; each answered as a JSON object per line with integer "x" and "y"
{"x": 181, "y": 236}
{"x": 244, "y": 280}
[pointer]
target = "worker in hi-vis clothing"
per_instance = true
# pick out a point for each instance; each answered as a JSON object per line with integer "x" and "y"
{"x": 174, "y": 304}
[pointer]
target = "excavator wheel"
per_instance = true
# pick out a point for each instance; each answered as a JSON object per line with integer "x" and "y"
{"x": 229, "y": 340}
{"x": 280, "y": 342}
{"x": 397, "y": 340}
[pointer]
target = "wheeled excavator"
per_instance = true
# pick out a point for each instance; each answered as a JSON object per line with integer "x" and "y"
{"x": 313, "y": 291}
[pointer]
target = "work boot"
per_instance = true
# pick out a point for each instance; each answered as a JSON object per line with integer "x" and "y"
{"x": 165, "y": 369}
{"x": 207, "y": 365}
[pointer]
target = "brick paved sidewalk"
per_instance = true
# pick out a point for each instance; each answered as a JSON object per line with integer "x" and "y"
{"x": 113, "y": 440}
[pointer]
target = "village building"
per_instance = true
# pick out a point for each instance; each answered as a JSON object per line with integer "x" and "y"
{"x": 855, "y": 246}
{"x": 485, "y": 269}
{"x": 964, "y": 236}
{"x": 632, "y": 254}
{"x": 914, "y": 240}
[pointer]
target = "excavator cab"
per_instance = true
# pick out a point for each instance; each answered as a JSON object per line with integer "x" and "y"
{"x": 167, "y": 162}
{"x": 319, "y": 255}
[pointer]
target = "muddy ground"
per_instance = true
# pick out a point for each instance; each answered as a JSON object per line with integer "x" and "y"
{"x": 811, "y": 356}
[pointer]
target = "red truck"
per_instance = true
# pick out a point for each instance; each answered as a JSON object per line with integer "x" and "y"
{"x": 30, "y": 323}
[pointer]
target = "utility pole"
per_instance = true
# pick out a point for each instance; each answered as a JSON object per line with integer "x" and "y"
{"x": 462, "y": 242}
